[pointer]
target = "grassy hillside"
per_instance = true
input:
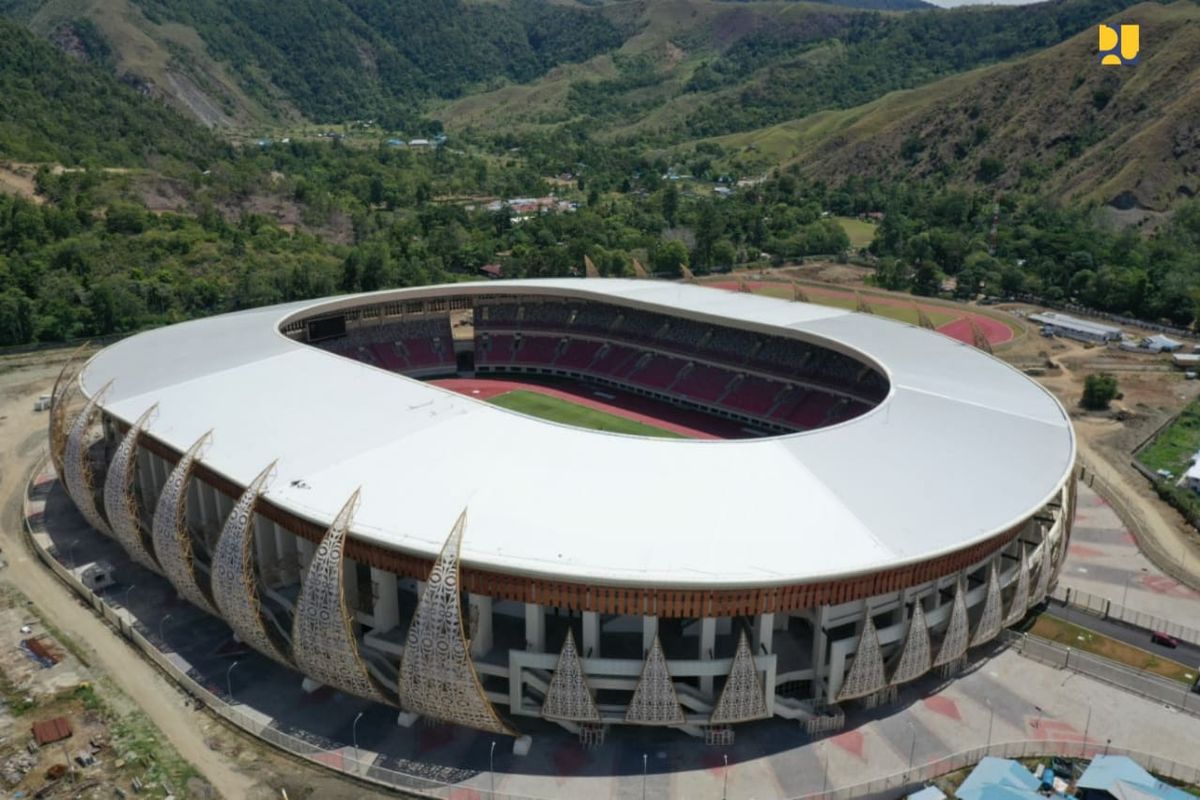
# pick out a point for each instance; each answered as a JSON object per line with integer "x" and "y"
{"x": 54, "y": 109}
{"x": 1054, "y": 121}
{"x": 702, "y": 67}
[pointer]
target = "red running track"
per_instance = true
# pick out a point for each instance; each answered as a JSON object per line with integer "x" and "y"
{"x": 995, "y": 330}
{"x": 692, "y": 424}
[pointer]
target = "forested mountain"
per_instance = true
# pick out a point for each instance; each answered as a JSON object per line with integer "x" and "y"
{"x": 1051, "y": 123}
{"x": 52, "y": 109}
{"x": 324, "y": 60}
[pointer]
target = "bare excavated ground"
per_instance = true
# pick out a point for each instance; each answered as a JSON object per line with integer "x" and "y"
{"x": 231, "y": 764}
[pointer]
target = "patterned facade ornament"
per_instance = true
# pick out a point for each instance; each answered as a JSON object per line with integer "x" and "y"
{"x": 917, "y": 656}
{"x": 437, "y": 677}
{"x": 954, "y": 643}
{"x": 742, "y": 698}
{"x": 568, "y": 697}
{"x": 120, "y": 500}
{"x": 170, "y": 535}
{"x": 323, "y": 640}
{"x": 992, "y": 617}
{"x": 1043, "y": 584}
{"x": 77, "y": 463}
{"x": 654, "y": 700}
{"x": 60, "y": 398}
{"x": 1020, "y": 598}
{"x": 866, "y": 675}
{"x": 234, "y": 581}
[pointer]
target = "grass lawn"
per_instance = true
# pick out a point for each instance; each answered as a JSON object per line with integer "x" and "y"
{"x": 860, "y": 232}
{"x": 1057, "y": 630}
{"x": 1173, "y": 448}
{"x": 557, "y": 410}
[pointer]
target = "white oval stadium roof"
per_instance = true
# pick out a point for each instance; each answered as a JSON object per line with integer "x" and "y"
{"x": 963, "y": 447}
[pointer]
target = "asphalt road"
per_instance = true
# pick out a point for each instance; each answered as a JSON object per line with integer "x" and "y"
{"x": 1187, "y": 652}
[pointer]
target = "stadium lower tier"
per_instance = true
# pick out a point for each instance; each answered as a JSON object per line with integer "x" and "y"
{"x": 485, "y": 649}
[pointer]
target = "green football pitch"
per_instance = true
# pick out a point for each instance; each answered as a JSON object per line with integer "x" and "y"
{"x": 555, "y": 409}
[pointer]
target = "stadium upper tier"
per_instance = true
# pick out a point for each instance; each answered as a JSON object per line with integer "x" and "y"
{"x": 950, "y": 448}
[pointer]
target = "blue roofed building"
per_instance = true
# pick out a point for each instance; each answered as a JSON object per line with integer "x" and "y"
{"x": 1001, "y": 779}
{"x": 1122, "y": 778}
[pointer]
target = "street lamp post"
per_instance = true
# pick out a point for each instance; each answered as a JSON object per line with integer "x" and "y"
{"x": 354, "y": 735}
{"x": 492, "y": 769}
{"x": 1086, "y": 727}
{"x": 912, "y": 750}
{"x": 824, "y": 769}
{"x": 991, "y": 719}
{"x": 644, "y": 768}
{"x": 161, "y": 623}
{"x": 725, "y": 785}
{"x": 132, "y": 586}
{"x": 229, "y": 679}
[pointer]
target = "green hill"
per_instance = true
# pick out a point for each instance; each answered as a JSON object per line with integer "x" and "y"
{"x": 54, "y": 109}
{"x": 1053, "y": 122}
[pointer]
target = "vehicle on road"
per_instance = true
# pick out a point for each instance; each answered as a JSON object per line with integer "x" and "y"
{"x": 1165, "y": 639}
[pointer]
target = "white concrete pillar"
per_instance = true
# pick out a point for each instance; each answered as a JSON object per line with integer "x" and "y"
{"x": 480, "y": 607}
{"x": 387, "y": 599}
{"x": 286, "y": 552}
{"x": 764, "y": 632}
{"x": 535, "y": 628}
{"x": 350, "y": 582}
{"x": 591, "y": 635}
{"x": 818, "y": 653}
{"x": 708, "y": 641}
{"x": 264, "y": 549}
{"x": 649, "y": 631}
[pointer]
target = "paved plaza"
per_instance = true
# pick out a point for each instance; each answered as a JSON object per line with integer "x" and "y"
{"x": 1005, "y": 697}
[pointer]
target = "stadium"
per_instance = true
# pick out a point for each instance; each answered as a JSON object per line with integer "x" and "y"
{"x": 697, "y": 507}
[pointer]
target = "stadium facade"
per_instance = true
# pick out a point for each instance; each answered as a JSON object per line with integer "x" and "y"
{"x": 898, "y": 499}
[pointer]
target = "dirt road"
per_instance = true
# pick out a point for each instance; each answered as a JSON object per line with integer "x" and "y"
{"x": 23, "y": 434}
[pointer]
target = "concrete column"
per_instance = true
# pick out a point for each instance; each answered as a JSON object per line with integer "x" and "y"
{"x": 649, "y": 631}
{"x": 305, "y": 549}
{"x": 210, "y": 497}
{"x": 387, "y": 599}
{"x": 264, "y": 550}
{"x": 350, "y": 581}
{"x": 820, "y": 641}
{"x": 480, "y": 607}
{"x": 764, "y": 632}
{"x": 591, "y": 635}
{"x": 535, "y": 628}
{"x": 708, "y": 641}
{"x": 289, "y": 555}
{"x": 145, "y": 482}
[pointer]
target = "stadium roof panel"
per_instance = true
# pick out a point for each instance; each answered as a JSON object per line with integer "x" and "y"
{"x": 963, "y": 447}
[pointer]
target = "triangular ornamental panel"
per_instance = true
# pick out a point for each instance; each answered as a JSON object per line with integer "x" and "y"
{"x": 742, "y": 697}
{"x": 1043, "y": 584}
{"x": 120, "y": 501}
{"x": 323, "y": 640}
{"x": 169, "y": 531}
{"x": 437, "y": 677}
{"x": 1020, "y": 598}
{"x": 77, "y": 463}
{"x": 990, "y": 621}
{"x": 654, "y": 700}
{"x": 568, "y": 697}
{"x": 60, "y": 398}
{"x": 954, "y": 643}
{"x": 866, "y": 675}
{"x": 234, "y": 581}
{"x": 917, "y": 657}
